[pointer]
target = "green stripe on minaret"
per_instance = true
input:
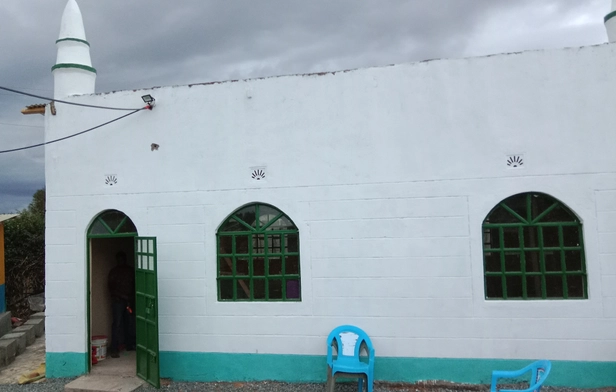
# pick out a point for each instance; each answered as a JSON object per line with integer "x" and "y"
{"x": 70, "y": 65}
{"x": 73, "y": 39}
{"x": 609, "y": 16}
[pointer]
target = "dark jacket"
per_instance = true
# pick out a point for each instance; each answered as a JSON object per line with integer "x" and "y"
{"x": 122, "y": 283}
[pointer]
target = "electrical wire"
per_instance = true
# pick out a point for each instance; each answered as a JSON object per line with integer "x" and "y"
{"x": 67, "y": 102}
{"x": 22, "y": 125}
{"x": 70, "y": 136}
{"x": 32, "y": 88}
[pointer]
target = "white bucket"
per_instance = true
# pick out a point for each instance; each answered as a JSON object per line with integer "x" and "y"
{"x": 99, "y": 347}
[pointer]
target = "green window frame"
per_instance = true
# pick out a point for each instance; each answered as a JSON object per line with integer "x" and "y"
{"x": 258, "y": 256}
{"x": 533, "y": 249}
{"x": 112, "y": 223}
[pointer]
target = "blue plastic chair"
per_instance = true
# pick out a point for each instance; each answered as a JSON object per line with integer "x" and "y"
{"x": 539, "y": 371}
{"x": 348, "y": 341}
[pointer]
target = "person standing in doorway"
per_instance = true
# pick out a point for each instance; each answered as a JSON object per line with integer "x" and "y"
{"x": 121, "y": 283}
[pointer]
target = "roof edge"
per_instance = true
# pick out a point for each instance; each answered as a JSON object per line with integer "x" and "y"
{"x": 323, "y": 73}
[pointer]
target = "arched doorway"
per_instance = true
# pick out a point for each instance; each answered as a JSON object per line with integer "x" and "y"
{"x": 111, "y": 232}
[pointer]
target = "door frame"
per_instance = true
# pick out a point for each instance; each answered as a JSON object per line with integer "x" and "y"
{"x": 89, "y": 238}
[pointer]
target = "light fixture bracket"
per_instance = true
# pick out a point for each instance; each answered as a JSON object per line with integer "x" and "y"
{"x": 149, "y": 101}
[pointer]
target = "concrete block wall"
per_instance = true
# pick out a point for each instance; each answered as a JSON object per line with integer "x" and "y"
{"x": 418, "y": 291}
{"x": 65, "y": 281}
{"x": 606, "y": 231}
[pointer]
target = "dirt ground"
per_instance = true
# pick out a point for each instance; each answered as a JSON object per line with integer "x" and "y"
{"x": 26, "y": 362}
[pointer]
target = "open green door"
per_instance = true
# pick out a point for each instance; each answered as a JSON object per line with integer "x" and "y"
{"x": 146, "y": 310}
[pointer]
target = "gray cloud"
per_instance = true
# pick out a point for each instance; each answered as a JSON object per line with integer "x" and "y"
{"x": 158, "y": 42}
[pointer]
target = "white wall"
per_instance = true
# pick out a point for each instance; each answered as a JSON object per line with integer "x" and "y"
{"x": 388, "y": 173}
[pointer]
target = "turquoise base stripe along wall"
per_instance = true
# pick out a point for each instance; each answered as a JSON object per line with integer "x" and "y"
{"x": 577, "y": 374}
{"x": 242, "y": 367}
{"x": 188, "y": 366}
{"x": 306, "y": 368}
{"x": 61, "y": 365}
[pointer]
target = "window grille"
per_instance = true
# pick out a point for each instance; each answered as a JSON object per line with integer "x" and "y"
{"x": 533, "y": 249}
{"x": 258, "y": 256}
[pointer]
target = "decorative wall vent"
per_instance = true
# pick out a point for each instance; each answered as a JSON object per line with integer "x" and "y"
{"x": 111, "y": 179}
{"x": 515, "y": 161}
{"x": 258, "y": 174}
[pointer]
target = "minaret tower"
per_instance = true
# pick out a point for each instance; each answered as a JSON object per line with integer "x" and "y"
{"x": 610, "y": 23}
{"x": 73, "y": 73}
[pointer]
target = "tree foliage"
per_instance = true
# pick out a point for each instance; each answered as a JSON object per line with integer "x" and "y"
{"x": 25, "y": 255}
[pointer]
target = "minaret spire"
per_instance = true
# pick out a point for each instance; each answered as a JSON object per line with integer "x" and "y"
{"x": 610, "y": 23}
{"x": 73, "y": 72}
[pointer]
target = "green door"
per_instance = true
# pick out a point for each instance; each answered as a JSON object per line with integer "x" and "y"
{"x": 146, "y": 310}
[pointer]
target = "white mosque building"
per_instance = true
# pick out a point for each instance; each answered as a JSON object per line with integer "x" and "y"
{"x": 462, "y": 212}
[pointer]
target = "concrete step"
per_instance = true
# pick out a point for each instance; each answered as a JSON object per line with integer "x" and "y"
{"x": 15, "y": 341}
{"x": 37, "y": 315}
{"x": 101, "y": 383}
{"x": 19, "y": 338}
{"x": 8, "y": 350}
{"x": 39, "y": 326}
{"x": 5, "y": 323}
{"x": 29, "y": 330}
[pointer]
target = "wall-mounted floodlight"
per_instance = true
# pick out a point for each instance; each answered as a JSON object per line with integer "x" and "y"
{"x": 149, "y": 100}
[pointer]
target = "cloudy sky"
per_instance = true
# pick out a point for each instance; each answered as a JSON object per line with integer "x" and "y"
{"x": 141, "y": 43}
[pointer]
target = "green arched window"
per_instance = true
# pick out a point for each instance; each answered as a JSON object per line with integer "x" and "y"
{"x": 112, "y": 223}
{"x": 258, "y": 256}
{"x": 533, "y": 248}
